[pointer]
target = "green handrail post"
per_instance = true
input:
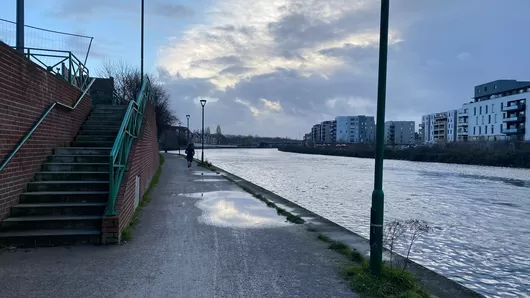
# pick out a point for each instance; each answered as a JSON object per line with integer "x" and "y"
{"x": 70, "y": 67}
{"x": 378, "y": 196}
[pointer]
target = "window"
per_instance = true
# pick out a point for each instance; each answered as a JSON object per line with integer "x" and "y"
{"x": 489, "y": 119}
{"x": 492, "y": 129}
{"x": 477, "y": 121}
{"x": 485, "y": 129}
{"x": 482, "y": 119}
{"x": 502, "y": 105}
{"x": 486, "y": 89}
{"x": 486, "y": 109}
{"x": 474, "y": 130}
{"x": 475, "y": 112}
{"x": 495, "y": 118}
{"x": 493, "y": 108}
{"x": 500, "y": 127}
{"x": 480, "y": 110}
{"x": 480, "y": 130}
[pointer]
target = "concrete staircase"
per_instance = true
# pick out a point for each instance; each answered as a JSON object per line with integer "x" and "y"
{"x": 65, "y": 202}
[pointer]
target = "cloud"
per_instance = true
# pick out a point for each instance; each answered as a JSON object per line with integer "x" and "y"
{"x": 278, "y": 66}
{"x": 69, "y": 9}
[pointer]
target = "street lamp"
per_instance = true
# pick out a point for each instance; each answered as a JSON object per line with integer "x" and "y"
{"x": 188, "y": 129}
{"x": 378, "y": 196}
{"x": 178, "y": 127}
{"x": 203, "y": 103}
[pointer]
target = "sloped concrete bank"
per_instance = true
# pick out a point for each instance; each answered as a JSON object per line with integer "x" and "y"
{"x": 436, "y": 284}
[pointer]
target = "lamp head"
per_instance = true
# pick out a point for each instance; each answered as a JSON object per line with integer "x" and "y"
{"x": 203, "y": 102}
{"x": 188, "y": 116}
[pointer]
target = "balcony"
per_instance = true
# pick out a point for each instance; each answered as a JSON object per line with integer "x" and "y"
{"x": 515, "y": 107}
{"x": 462, "y": 123}
{"x": 462, "y": 132}
{"x": 519, "y": 118}
{"x": 513, "y": 131}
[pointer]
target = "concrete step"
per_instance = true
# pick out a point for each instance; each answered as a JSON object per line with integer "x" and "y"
{"x": 110, "y": 123}
{"x": 96, "y": 138}
{"x": 107, "y": 133}
{"x": 99, "y": 119}
{"x": 49, "y": 237}
{"x": 83, "y": 151}
{"x": 79, "y": 158}
{"x": 107, "y": 144}
{"x": 64, "y": 196}
{"x": 72, "y": 176}
{"x": 110, "y": 109}
{"x": 56, "y": 209}
{"x": 75, "y": 166}
{"x": 50, "y": 222}
{"x": 68, "y": 186}
{"x": 100, "y": 128}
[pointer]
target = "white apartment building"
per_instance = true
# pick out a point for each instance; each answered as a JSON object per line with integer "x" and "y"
{"x": 498, "y": 112}
{"x": 400, "y": 132}
{"x": 439, "y": 127}
{"x": 355, "y": 129}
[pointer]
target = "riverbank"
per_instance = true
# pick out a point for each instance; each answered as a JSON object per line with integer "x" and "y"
{"x": 326, "y": 230}
{"x": 500, "y": 156}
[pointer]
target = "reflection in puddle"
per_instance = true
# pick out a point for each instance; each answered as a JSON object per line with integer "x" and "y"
{"x": 209, "y": 180}
{"x": 235, "y": 209}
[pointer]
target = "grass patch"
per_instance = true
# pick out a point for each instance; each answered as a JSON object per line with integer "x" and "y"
{"x": 126, "y": 234}
{"x": 394, "y": 282}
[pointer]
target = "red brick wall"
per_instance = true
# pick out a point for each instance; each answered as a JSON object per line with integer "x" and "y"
{"x": 143, "y": 161}
{"x": 26, "y": 91}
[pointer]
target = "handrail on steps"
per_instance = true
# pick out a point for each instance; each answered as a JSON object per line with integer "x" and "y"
{"x": 129, "y": 130}
{"x": 44, "y": 115}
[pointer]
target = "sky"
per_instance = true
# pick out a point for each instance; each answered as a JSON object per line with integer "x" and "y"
{"x": 276, "y": 67}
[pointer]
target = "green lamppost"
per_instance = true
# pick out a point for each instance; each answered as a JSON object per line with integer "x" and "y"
{"x": 142, "y": 45}
{"x": 20, "y": 26}
{"x": 203, "y": 103}
{"x": 378, "y": 196}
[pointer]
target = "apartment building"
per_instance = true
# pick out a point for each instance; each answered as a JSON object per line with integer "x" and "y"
{"x": 400, "y": 133}
{"x": 498, "y": 112}
{"x": 355, "y": 129}
{"x": 439, "y": 127}
{"x": 315, "y": 133}
{"x": 326, "y": 129}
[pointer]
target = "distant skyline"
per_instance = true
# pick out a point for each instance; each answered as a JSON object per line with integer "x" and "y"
{"x": 276, "y": 67}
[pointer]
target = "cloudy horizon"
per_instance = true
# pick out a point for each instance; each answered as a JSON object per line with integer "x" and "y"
{"x": 276, "y": 67}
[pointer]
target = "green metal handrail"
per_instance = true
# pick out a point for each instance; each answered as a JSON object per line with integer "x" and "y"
{"x": 44, "y": 115}
{"x": 129, "y": 130}
{"x": 66, "y": 65}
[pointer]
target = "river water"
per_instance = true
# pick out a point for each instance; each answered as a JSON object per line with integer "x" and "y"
{"x": 480, "y": 215}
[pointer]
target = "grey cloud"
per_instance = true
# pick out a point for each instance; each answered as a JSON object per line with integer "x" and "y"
{"x": 172, "y": 10}
{"x": 235, "y": 70}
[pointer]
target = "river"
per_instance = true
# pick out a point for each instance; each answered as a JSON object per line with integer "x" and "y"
{"x": 480, "y": 215}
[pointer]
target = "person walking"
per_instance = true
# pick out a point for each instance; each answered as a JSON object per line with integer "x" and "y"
{"x": 190, "y": 152}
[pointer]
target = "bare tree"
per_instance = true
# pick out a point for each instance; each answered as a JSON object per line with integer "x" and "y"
{"x": 127, "y": 83}
{"x": 207, "y": 130}
{"x": 393, "y": 232}
{"x": 416, "y": 229}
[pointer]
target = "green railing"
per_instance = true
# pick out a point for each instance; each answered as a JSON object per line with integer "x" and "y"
{"x": 62, "y": 64}
{"x": 129, "y": 130}
{"x": 44, "y": 115}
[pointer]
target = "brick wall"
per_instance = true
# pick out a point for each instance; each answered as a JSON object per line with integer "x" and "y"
{"x": 26, "y": 91}
{"x": 143, "y": 161}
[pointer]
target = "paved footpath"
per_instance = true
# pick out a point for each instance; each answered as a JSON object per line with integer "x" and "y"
{"x": 200, "y": 236}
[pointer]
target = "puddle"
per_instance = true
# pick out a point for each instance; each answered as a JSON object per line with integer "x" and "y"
{"x": 236, "y": 209}
{"x": 209, "y": 180}
{"x": 205, "y": 173}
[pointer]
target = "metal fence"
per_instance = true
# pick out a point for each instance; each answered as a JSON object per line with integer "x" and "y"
{"x": 40, "y": 38}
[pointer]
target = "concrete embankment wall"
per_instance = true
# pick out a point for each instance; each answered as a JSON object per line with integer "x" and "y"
{"x": 143, "y": 163}
{"x": 26, "y": 91}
